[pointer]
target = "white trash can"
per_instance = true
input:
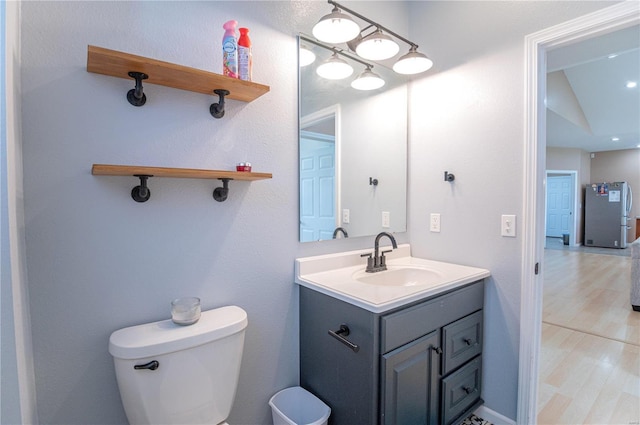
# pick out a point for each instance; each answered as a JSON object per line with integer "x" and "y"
{"x": 297, "y": 406}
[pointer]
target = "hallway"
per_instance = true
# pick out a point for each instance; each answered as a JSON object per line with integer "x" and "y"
{"x": 590, "y": 345}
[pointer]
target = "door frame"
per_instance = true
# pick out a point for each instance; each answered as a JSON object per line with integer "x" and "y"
{"x": 618, "y": 16}
{"x": 573, "y": 224}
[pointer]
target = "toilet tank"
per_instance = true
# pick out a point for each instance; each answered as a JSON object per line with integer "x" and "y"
{"x": 197, "y": 369}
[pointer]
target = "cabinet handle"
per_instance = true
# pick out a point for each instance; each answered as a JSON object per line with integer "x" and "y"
{"x": 438, "y": 350}
{"x": 469, "y": 390}
{"x": 340, "y": 336}
{"x": 469, "y": 341}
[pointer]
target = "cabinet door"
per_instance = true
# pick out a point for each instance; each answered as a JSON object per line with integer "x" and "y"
{"x": 410, "y": 390}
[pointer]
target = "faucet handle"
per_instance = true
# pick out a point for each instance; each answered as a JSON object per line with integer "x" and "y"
{"x": 369, "y": 261}
{"x": 383, "y": 259}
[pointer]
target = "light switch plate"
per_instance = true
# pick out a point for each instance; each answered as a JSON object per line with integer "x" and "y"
{"x": 434, "y": 223}
{"x": 345, "y": 216}
{"x": 386, "y": 219}
{"x": 508, "y": 226}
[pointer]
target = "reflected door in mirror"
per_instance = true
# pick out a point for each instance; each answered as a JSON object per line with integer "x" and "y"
{"x": 317, "y": 187}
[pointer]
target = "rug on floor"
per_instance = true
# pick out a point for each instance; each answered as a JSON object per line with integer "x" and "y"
{"x": 475, "y": 420}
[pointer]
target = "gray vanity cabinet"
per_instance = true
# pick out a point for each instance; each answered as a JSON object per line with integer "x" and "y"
{"x": 418, "y": 364}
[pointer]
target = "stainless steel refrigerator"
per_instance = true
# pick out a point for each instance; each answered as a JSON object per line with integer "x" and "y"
{"x": 606, "y": 218}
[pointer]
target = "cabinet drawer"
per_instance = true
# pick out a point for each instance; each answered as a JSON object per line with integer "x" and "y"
{"x": 461, "y": 390}
{"x": 462, "y": 341}
{"x": 406, "y": 325}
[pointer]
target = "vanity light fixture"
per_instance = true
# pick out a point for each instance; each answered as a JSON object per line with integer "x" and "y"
{"x": 413, "y": 62}
{"x": 334, "y": 68}
{"x": 367, "y": 80}
{"x": 307, "y": 57}
{"x": 336, "y": 27}
{"x": 377, "y": 45}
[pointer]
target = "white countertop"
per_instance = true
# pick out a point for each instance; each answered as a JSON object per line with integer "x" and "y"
{"x": 333, "y": 275}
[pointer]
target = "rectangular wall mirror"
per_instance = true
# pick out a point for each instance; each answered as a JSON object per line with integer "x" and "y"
{"x": 352, "y": 152}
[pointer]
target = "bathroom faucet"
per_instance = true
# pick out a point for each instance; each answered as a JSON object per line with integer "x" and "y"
{"x": 378, "y": 262}
{"x": 340, "y": 229}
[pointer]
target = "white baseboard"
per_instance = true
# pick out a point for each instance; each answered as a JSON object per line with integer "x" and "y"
{"x": 493, "y": 416}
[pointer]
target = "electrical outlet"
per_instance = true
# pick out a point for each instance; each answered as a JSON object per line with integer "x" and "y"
{"x": 345, "y": 216}
{"x": 434, "y": 224}
{"x": 508, "y": 226}
{"x": 386, "y": 219}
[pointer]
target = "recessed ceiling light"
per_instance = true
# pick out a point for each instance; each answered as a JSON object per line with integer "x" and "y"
{"x": 632, "y": 84}
{"x": 615, "y": 139}
{"x": 612, "y": 56}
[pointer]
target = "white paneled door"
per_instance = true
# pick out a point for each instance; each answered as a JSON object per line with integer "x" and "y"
{"x": 317, "y": 190}
{"x": 559, "y": 205}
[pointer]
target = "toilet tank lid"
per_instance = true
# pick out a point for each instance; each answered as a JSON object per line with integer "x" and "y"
{"x": 153, "y": 339}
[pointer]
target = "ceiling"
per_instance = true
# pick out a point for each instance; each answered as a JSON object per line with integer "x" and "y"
{"x": 595, "y": 106}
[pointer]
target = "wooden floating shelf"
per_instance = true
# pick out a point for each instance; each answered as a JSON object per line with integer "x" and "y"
{"x": 142, "y": 193}
{"x": 185, "y": 173}
{"x": 119, "y": 64}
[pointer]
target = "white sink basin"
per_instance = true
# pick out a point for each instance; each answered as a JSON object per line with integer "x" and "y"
{"x": 406, "y": 279}
{"x": 400, "y": 276}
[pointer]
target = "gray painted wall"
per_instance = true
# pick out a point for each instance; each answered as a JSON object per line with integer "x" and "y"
{"x": 98, "y": 261}
{"x": 468, "y": 118}
{"x": 375, "y": 147}
{"x": 620, "y": 165}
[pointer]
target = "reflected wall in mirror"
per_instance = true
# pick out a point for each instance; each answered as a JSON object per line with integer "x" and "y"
{"x": 353, "y": 153}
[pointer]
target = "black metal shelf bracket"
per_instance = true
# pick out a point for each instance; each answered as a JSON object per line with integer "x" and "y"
{"x": 220, "y": 193}
{"x": 217, "y": 109}
{"x": 141, "y": 193}
{"x": 136, "y": 96}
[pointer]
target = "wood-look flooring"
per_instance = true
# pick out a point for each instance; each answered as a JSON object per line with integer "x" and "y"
{"x": 590, "y": 345}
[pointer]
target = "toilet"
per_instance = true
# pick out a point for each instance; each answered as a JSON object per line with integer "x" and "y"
{"x": 172, "y": 374}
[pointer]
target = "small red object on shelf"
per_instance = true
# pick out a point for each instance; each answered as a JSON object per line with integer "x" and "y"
{"x": 243, "y": 166}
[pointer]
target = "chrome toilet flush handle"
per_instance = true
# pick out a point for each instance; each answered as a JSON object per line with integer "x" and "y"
{"x": 152, "y": 365}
